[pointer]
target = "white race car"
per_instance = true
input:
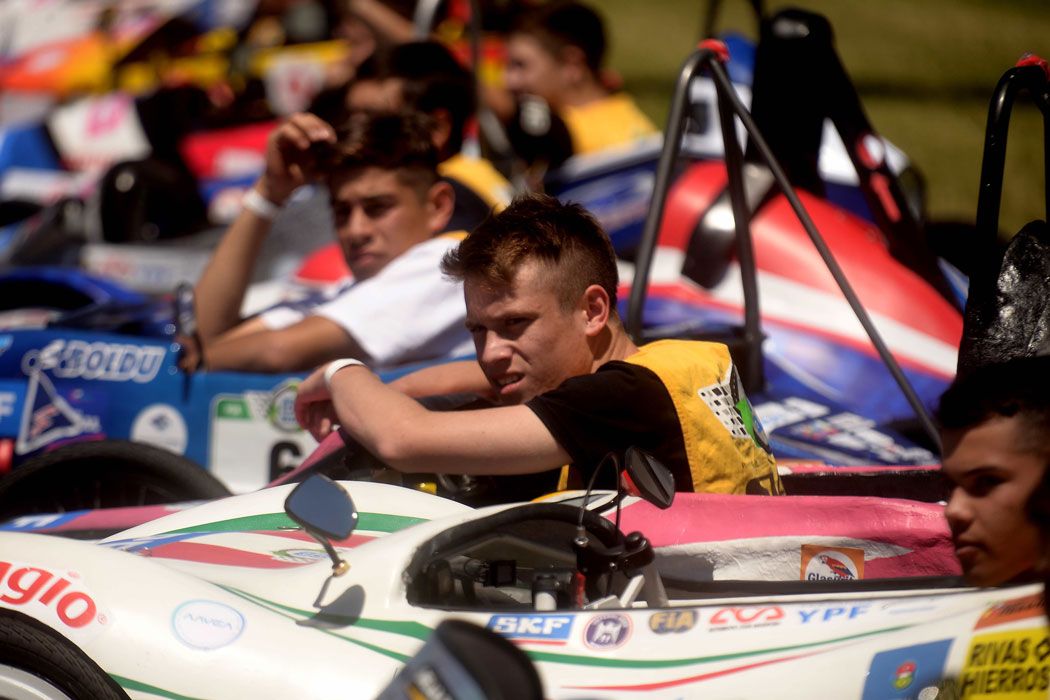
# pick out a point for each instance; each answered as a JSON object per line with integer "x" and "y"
{"x": 234, "y": 599}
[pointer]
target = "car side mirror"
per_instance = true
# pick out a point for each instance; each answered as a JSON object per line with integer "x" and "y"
{"x": 325, "y": 511}
{"x": 650, "y": 479}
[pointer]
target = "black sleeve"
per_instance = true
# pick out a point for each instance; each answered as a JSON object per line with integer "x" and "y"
{"x": 620, "y": 405}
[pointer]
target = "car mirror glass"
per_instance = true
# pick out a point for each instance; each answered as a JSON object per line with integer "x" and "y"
{"x": 322, "y": 506}
{"x": 653, "y": 481}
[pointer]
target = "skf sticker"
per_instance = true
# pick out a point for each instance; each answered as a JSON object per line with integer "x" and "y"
{"x": 607, "y": 632}
{"x": 672, "y": 621}
{"x": 821, "y": 563}
{"x": 1008, "y": 664}
{"x": 1023, "y": 608}
{"x": 537, "y": 629}
{"x": 903, "y": 673}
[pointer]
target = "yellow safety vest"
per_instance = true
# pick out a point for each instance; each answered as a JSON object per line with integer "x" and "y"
{"x": 726, "y": 447}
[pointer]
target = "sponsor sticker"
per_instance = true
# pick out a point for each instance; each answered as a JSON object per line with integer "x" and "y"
{"x": 7, "y": 403}
{"x": 161, "y": 425}
{"x": 606, "y": 632}
{"x": 300, "y": 556}
{"x": 1023, "y": 608}
{"x": 28, "y": 523}
{"x": 906, "y": 672}
{"x": 207, "y": 625}
{"x": 833, "y": 613}
{"x": 112, "y": 362}
{"x": 672, "y": 621}
{"x": 548, "y": 629}
{"x": 820, "y": 563}
{"x": 1007, "y": 664}
{"x": 853, "y": 432}
{"x": 777, "y": 414}
{"x": 47, "y": 416}
{"x": 750, "y": 616}
{"x": 60, "y": 599}
{"x": 281, "y": 410}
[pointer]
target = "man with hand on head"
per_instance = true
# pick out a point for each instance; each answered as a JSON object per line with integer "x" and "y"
{"x": 388, "y": 204}
{"x": 995, "y": 425}
{"x": 540, "y": 284}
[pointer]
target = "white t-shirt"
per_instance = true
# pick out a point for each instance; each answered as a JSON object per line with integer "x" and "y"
{"x": 407, "y": 312}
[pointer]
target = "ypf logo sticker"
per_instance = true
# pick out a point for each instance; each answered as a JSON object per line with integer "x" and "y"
{"x": 206, "y": 624}
{"x": 605, "y": 632}
{"x": 831, "y": 563}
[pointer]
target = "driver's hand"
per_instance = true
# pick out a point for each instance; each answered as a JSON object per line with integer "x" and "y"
{"x": 313, "y": 406}
{"x": 191, "y": 357}
{"x": 291, "y": 155}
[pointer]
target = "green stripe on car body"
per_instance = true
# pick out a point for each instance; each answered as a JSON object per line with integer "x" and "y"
{"x": 420, "y": 631}
{"x": 373, "y": 522}
{"x": 139, "y": 686}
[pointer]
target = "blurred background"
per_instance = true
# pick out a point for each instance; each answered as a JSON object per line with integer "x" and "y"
{"x": 925, "y": 72}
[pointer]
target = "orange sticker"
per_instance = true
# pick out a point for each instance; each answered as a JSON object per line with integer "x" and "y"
{"x": 820, "y": 563}
{"x": 1015, "y": 609}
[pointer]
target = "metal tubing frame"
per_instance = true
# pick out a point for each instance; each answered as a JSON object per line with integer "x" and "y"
{"x": 1032, "y": 79}
{"x": 729, "y": 102}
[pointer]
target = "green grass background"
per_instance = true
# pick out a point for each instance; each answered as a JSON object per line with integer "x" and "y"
{"x": 925, "y": 70}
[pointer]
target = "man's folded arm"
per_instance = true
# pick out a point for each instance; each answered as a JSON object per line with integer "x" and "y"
{"x": 297, "y": 348}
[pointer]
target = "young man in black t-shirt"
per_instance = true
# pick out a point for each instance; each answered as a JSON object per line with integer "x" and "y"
{"x": 540, "y": 284}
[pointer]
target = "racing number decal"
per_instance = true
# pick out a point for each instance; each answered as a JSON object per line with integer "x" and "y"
{"x": 284, "y": 457}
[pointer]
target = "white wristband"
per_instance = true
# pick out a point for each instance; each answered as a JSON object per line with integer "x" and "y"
{"x": 336, "y": 365}
{"x": 259, "y": 205}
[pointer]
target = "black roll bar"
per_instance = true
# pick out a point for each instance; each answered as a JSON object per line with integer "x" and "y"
{"x": 710, "y": 55}
{"x": 1030, "y": 78}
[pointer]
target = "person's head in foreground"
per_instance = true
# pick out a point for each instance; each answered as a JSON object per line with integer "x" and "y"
{"x": 556, "y": 51}
{"x": 540, "y": 285}
{"x": 385, "y": 192}
{"x": 995, "y": 425}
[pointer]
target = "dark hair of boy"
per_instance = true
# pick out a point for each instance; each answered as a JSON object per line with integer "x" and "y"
{"x": 561, "y": 24}
{"x": 396, "y": 142}
{"x": 1020, "y": 387}
{"x": 432, "y": 80}
{"x": 562, "y": 236}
